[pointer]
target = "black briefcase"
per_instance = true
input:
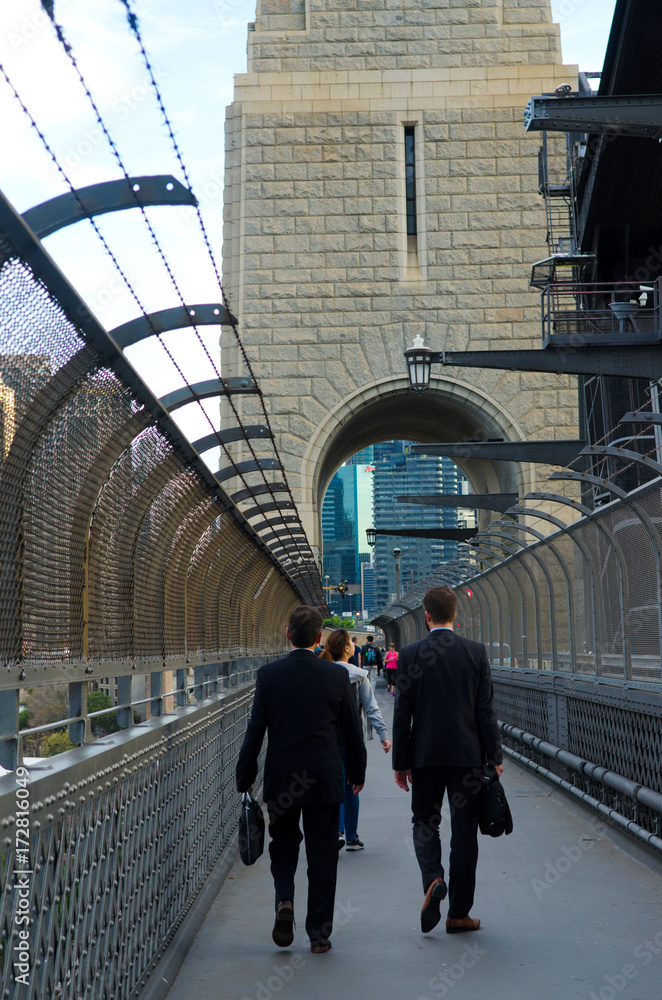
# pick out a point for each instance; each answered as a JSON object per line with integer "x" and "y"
{"x": 494, "y": 817}
{"x": 251, "y": 829}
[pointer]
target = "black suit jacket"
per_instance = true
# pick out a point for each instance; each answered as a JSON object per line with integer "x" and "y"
{"x": 306, "y": 706}
{"x": 444, "y": 705}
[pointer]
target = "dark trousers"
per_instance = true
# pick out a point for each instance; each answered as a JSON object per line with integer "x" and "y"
{"x": 320, "y": 829}
{"x": 428, "y": 787}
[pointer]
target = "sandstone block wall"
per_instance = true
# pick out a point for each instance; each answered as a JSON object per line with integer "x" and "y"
{"x": 318, "y": 267}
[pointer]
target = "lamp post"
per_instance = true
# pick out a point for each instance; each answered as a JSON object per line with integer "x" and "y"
{"x": 419, "y": 362}
{"x": 397, "y": 554}
{"x": 371, "y": 536}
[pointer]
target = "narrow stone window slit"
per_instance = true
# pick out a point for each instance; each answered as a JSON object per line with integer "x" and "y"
{"x": 410, "y": 196}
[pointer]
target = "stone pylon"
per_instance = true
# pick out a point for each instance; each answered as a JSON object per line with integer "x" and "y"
{"x": 333, "y": 262}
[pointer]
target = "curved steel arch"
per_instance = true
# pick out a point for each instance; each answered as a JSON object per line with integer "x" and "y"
{"x": 109, "y": 196}
{"x": 250, "y": 465}
{"x": 165, "y": 320}
{"x": 534, "y": 585}
{"x": 230, "y": 434}
{"x": 207, "y": 390}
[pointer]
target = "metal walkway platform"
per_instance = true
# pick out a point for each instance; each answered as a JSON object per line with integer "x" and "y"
{"x": 570, "y": 911}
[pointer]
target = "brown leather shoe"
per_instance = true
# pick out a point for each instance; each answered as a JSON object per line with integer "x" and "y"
{"x": 430, "y": 915}
{"x": 320, "y": 946}
{"x": 462, "y": 924}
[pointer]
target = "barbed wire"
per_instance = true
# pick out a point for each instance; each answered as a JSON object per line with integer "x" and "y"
{"x": 133, "y": 23}
{"x": 302, "y": 548}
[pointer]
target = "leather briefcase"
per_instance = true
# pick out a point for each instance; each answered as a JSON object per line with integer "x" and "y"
{"x": 251, "y": 829}
{"x": 494, "y": 817}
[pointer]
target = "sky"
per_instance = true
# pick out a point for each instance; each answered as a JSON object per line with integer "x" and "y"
{"x": 196, "y": 47}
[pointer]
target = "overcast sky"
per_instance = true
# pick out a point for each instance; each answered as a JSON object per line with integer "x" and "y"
{"x": 196, "y": 47}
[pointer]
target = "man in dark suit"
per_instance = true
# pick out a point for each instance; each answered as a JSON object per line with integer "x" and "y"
{"x": 444, "y": 730}
{"x": 306, "y": 706}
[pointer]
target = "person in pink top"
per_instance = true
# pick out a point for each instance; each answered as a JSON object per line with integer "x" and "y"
{"x": 390, "y": 666}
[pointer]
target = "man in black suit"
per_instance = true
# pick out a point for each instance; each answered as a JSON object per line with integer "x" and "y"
{"x": 306, "y": 705}
{"x": 444, "y": 730}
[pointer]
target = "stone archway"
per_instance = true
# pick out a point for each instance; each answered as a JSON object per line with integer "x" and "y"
{"x": 451, "y": 410}
{"x": 332, "y": 268}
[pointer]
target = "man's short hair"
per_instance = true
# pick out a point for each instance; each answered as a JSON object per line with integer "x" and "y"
{"x": 304, "y": 626}
{"x": 369, "y": 638}
{"x": 441, "y": 604}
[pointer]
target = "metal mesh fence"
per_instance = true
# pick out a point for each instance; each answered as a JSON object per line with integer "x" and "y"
{"x": 119, "y": 845}
{"x": 112, "y": 552}
{"x": 124, "y": 566}
{"x": 572, "y": 621}
{"x": 123, "y": 563}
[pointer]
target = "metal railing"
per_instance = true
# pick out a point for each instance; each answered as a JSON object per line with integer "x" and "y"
{"x": 105, "y": 850}
{"x": 567, "y": 598}
{"x": 575, "y": 314}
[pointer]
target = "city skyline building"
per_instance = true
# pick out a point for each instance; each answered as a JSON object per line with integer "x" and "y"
{"x": 361, "y": 495}
{"x": 339, "y": 531}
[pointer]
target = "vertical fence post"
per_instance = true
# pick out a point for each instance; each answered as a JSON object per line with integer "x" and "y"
{"x": 182, "y": 698}
{"x": 198, "y": 680}
{"x": 124, "y": 693}
{"x": 79, "y": 732}
{"x": 156, "y": 693}
{"x": 9, "y": 709}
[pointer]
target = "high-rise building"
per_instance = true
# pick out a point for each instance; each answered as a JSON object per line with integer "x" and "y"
{"x": 363, "y": 462}
{"x": 361, "y": 495}
{"x": 398, "y": 471}
{"x": 368, "y": 596}
{"x": 339, "y": 531}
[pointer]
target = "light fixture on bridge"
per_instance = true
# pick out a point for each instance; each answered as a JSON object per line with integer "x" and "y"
{"x": 419, "y": 361}
{"x": 371, "y": 536}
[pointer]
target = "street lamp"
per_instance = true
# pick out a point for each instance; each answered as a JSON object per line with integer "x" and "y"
{"x": 397, "y": 554}
{"x": 419, "y": 362}
{"x": 371, "y": 536}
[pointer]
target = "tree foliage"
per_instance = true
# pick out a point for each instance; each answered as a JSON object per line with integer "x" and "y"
{"x": 49, "y": 703}
{"x": 56, "y": 743}
{"x": 336, "y": 622}
{"x": 96, "y": 701}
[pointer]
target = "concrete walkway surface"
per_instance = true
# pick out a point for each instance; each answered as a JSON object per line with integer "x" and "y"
{"x": 567, "y": 914}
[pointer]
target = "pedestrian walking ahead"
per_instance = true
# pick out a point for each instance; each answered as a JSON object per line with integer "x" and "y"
{"x": 338, "y": 649}
{"x": 371, "y": 656}
{"x": 390, "y": 668}
{"x": 305, "y": 705}
{"x": 444, "y": 730}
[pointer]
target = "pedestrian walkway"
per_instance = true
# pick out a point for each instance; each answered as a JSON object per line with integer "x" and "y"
{"x": 567, "y": 915}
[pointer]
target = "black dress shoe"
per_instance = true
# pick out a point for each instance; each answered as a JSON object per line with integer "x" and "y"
{"x": 319, "y": 946}
{"x": 430, "y": 915}
{"x": 283, "y": 932}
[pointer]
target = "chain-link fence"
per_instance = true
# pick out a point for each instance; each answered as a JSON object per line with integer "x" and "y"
{"x": 126, "y": 571}
{"x": 122, "y": 561}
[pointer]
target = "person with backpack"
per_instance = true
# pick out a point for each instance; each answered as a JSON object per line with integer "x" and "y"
{"x": 371, "y": 656}
{"x": 338, "y": 648}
